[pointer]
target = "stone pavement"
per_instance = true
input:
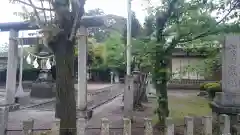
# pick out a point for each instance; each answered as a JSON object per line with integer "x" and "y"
{"x": 44, "y": 118}
{"x": 113, "y": 111}
{"x": 91, "y": 89}
{"x": 96, "y": 86}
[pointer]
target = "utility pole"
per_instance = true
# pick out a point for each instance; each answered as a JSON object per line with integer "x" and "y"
{"x": 129, "y": 20}
{"x": 128, "y": 90}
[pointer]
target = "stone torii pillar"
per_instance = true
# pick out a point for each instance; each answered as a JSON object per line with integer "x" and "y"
{"x": 83, "y": 114}
{"x": 11, "y": 67}
{"x": 82, "y": 110}
{"x": 82, "y": 68}
{"x": 10, "y": 80}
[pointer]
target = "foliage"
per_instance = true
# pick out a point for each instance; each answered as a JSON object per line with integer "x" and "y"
{"x": 182, "y": 23}
{"x": 149, "y": 25}
{"x": 213, "y": 88}
{"x": 114, "y": 52}
{"x": 135, "y": 29}
{"x": 98, "y": 33}
{"x": 141, "y": 55}
{"x": 110, "y": 51}
{"x": 108, "y": 54}
{"x": 202, "y": 88}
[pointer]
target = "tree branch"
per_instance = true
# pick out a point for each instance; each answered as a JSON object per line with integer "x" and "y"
{"x": 45, "y": 17}
{"x": 51, "y": 17}
{"x": 208, "y": 32}
{"x": 36, "y": 13}
{"x": 27, "y": 4}
{"x": 162, "y": 20}
{"x": 79, "y": 13}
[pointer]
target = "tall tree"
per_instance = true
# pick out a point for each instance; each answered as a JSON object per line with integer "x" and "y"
{"x": 135, "y": 28}
{"x": 98, "y": 33}
{"x": 180, "y": 22}
{"x": 59, "y": 20}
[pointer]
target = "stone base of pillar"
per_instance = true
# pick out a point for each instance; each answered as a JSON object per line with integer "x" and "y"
{"x": 11, "y": 107}
{"x": 128, "y": 97}
{"x": 82, "y": 118}
{"x": 3, "y": 119}
{"x": 227, "y": 99}
{"x": 81, "y": 126}
{"x": 43, "y": 90}
{"x": 87, "y": 114}
{"x": 226, "y": 103}
{"x": 24, "y": 99}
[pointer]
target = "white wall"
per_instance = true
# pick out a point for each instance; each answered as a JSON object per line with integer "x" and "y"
{"x": 179, "y": 66}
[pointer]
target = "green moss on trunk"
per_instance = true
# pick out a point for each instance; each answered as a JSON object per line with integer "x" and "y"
{"x": 160, "y": 79}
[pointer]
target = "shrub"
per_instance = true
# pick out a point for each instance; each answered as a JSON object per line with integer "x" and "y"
{"x": 213, "y": 88}
{"x": 202, "y": 87}
{"x": 209, "y": 85}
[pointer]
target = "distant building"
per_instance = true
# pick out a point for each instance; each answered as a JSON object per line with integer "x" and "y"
{"x": 180, "y": 60}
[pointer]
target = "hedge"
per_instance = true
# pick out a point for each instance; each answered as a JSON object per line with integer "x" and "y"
{"x": 28, "y": 75}
{"x": 211, "y": 88}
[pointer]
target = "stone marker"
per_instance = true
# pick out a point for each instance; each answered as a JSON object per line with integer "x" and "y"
{"x": 116, "y": 78}
{"x": 228, "y": 101}
{"x": 151, "y": 91}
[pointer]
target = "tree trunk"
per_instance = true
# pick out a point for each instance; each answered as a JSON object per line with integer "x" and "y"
{"x": 160, "y": 79}
{"x": 65, "y": 97}
{"x": 143, "y": 83}
{"x": 139, "y": 90}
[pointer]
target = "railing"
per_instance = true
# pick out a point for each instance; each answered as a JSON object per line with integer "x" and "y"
{"x": 186, "y": 83}
{"x": 207, "y": 126}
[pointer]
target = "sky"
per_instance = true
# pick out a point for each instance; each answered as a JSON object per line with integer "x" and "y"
{"x": 116, "y": 7}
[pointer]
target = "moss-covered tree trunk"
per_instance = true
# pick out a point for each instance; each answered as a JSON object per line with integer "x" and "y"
{"x": 161, "y": 62}
{"x": 65, "y": 97}
{"x": 160, "y": 79}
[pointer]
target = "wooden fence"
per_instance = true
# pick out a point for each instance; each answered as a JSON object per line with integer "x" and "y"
{"x": 224, "y": 124}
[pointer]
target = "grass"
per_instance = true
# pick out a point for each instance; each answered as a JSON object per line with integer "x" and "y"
{"x": 189, "y": 105}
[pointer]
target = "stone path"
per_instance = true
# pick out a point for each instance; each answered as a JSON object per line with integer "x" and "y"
{"x": 43, "y": 118}
{"x": 100, "y": 96}
{"x": 92, "y": 88}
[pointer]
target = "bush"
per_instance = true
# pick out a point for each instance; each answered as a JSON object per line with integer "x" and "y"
{"x": 202, "y": 87}
{"x": 213, "y": 88}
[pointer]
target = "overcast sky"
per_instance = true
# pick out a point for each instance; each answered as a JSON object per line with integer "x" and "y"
{"x": 117, "y": 7}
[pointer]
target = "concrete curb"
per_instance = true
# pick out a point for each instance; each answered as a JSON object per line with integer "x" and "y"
{"x": 34, "y": 105}
{"x": 106, "y": 101}
{"x": 52, "y": 100}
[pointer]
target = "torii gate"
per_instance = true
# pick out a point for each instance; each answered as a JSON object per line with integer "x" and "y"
{"x": 14, "y": 28}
